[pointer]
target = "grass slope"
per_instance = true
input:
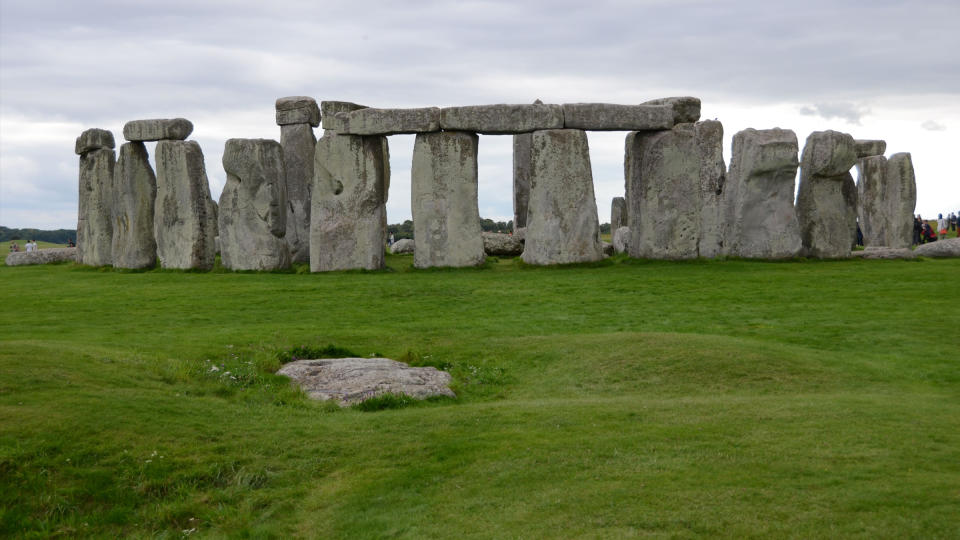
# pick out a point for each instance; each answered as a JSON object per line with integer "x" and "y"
{"x": 629, "y": 398}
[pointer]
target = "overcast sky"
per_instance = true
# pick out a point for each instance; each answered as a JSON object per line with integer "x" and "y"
{"x": 874, "y": 69}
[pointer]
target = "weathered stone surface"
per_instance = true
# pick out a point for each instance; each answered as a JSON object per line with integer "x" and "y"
{"x": 370, "y": 121}
{"x": 183, "y": 219}
{"x": 759, "y": 217}
{"x": 941, "y": 248}
{"x": 606, "y": 248}
{"x": 713, "y": 174}
{"x": 618, "y": 213}
{"x": 886, "y": 199}
{"x": 686, "y": 109}
{"x": 867, "y": 148}
{"x": 253, "y": 206}
{"x": 352, "y": 380}
{"x": 93, "y": 139}
{"x": 403, "y": 246}
{"x": 446, "y": 218}
{"x": 158, "y": 129}
{"x": 95, "y": 215}
{"x": 298, "y": 142}
{"x": 522, "y": 167}
{"x": 502, "y": 245}
{"x": 621, "y": 240}
{"x": 330, "y": 109}
{"x": 663, "y": 193}
{"x": 562, "y": 224}
{"x": 885, "y": 253}
{"x": 134, "y": 193}
{"x": 348, "y": 220}
{"x": 42, "y": 256}
{"x": 502, "y": 119}
{"x": 613, "y": 117}
{"x": 827, "y": 196}
{"x": 297, "y": 110}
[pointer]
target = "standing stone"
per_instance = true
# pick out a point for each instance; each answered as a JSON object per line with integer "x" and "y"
{"x": 713, "y": 175}
{"x": 298, "y": 142}
{"x": 183, "y": 220}
{"x": 446, "y": 218}
{"x": 621, "y": 240}
{"x": 562, "y": 225}
{"x": 95, "y": 214}
{"x": 887, "y": 196}
{"x": 618, "y": 214}
{"x": 348, "y": 219}
{"x": 759, "y": 218}
{"x": 522, "y": 168}
{"x": 135, "y": 190}
{"x": 663, "y": 193}
{"x": 827, "y": 197}
{"x": 252, "y": 214}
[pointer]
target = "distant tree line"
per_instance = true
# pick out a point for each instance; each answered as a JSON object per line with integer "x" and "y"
{"x": 405, "y": 229}
{"x": 59, "y": 236}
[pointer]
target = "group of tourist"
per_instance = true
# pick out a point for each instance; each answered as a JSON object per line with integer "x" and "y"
{"x": 31, "y": 245}
{"x": 946, "y": 227}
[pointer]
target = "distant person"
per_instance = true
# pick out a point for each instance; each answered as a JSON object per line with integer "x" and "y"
{"x": 928, "y": 234}
{"x": 941, "y": 226}
{"x": 859, "y": 235}
{"x": 917, "y": 230}
{"x": 953, "y": 221}
{"x": 70, "y": 243}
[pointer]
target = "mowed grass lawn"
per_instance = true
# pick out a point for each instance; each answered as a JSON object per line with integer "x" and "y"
{"x": 628, "y": 398}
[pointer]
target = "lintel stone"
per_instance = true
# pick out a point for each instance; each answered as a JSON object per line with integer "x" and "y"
{"x": 93, "y": 139}
{"x": 370, "y": 121}
{"x": 329, "y": 110}
{"x": 297, "y": 110}
{"x": 686, "y": 109}
{"x": 158, "y": 129}
{"x": 501, "y": 119}
{"x": 867, "y": 147}
{"x": 613, "y": 117}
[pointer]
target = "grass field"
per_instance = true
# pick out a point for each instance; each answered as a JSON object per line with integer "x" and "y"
{"x": 627, "y": 398}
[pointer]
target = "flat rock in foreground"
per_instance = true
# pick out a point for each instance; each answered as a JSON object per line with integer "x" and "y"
{"x": 941, "y": 248}
{"x": 352, "y": 380}
{"x": 42, "y": 256}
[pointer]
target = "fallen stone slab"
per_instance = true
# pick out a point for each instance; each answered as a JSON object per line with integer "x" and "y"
{"x": 95, "y": 214}
{"x": 446, "y": 216}
{"x": 42, "y": 256}
{"x": 158, "y": 129}
{"x": 93, "y": 139}
{"x": 370, "y": 121}
{"x": 502, "y": 245}
{"x": 134, "y": 194}
{"x": 941, "y": 248}
{"x": 501, "y": 119}
{"x": 297, "y": 110}
{"x": 885, "y": 253}
{"x": 621, "y": 240}
{"x": 759, "y": 218}
{"x": 329, "y": 110}
{"x": 353, "y": 380}
{"x": 613, "y": 117}
{"x": 253, "y": 206}
{"x": 686, "y": 109}
{"x": 827, "y": 197}
{"x": 867, "y": 147}
{"x": 562, "y": 224}
{"x": 402, "y": 246}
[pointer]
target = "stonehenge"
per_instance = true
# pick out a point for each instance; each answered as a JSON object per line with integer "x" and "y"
{"x": 827, "y": 197}
{"x": 253, "y": 206}
{"x": 446, "y": 219}
{"x": 297, "y": 116}
{"x": 135, "y": 190}
{"x": 322, "y": 201}
{"x": 95, "y": 213}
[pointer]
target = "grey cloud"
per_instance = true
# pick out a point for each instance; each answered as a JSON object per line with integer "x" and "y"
{"x": 848, "y": 112}
{"x": 932, "y": 125}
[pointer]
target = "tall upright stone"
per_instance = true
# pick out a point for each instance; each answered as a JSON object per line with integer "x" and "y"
{"x": 183, "y": 219}
{"x": 297, "y": 116}
{"x": 522, "y": 168}
{"x": 562, "y": 225}
{"x": 253, "y": 209}
{"x": 348, "y": 219}
{"x": 446, "y": 218}
{"x": 887, "y": 197}
{"x": 663, "y": 193}
{"x": 759, "y": 218}
{"x": 618, "y": 214}
{"x": 135, "y": 190}
{"x": 95, "y": 213}
{"x": 827, "y": 196}
{"x": 708, "y": 136}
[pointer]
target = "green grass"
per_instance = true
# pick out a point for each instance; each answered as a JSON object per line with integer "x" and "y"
{"x": 629, "y": 398}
